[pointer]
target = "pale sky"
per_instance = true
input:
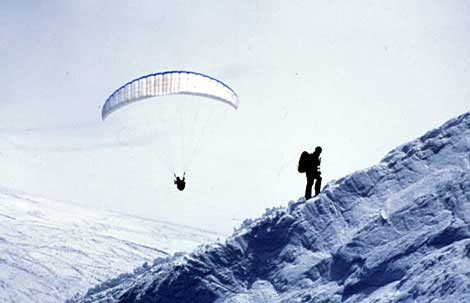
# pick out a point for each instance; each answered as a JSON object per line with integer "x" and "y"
{"x": 356, "y": 77}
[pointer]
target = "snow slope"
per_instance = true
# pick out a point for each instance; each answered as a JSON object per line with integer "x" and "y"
{"x": 395, "y": 232}
{"x": 49, "y": 250}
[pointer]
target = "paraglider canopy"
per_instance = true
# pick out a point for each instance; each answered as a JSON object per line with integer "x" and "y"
{"x": 169, "y": 83}
{"x": 182, "y": 122}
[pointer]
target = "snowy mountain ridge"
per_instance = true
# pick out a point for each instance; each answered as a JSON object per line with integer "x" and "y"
{"x": 50, "y": 250}
{"x": 396, "y": 232}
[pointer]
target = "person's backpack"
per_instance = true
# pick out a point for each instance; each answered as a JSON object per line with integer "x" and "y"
{"x": 303, "y": 162}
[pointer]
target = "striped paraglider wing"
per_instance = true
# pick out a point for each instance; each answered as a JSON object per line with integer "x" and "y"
{"x": 169, "y": 83}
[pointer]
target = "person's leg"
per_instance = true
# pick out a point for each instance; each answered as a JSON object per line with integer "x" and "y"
{"x": 317, "y": 186}
{"x": 308, "y": 188}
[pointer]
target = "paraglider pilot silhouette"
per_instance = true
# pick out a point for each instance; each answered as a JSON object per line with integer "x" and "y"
{"x": 310, "y": 165}
{"x": 180, "y": 183}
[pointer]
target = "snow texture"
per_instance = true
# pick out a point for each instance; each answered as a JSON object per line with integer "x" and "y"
{"x": 50, "y": 251}
{"x": 395, "y": 232}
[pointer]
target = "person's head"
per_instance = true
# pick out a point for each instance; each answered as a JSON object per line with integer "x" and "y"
{"x": 318, "y": 150}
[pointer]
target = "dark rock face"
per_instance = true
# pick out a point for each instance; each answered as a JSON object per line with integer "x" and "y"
{"x": 395, "y": 232}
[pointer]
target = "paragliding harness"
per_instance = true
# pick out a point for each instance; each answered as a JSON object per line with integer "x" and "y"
{"x": 180, "y": 183}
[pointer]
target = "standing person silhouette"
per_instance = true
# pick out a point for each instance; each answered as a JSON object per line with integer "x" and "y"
{"x": 313, "y": 173}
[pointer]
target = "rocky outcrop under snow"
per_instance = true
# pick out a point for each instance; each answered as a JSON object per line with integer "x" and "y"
{"x": 396, "y": 232}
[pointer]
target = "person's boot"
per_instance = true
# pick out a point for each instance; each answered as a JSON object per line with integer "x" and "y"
{"x": 308, "y": 192}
